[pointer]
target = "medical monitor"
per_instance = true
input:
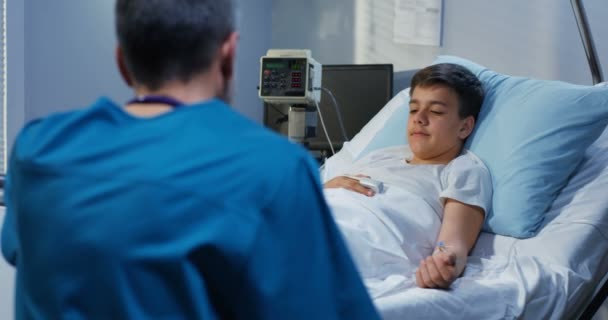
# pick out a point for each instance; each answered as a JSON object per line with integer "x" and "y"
{"x": 361, "y": 90}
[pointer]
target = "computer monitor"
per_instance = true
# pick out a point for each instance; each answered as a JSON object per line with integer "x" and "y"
{"x": 361, "y": 90}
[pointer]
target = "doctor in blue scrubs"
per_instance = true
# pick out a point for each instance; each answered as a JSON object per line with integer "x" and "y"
{"x": 173, "y": 205}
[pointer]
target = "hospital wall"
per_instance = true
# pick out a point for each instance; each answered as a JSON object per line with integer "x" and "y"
{"x": 69, "y": 55}
{"x": 64, "y": 66}
{"x": 529, "y": 38}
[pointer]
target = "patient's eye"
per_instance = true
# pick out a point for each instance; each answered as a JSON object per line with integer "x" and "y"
{"x": 412, "y": 111}
{"x": 437, "y": 112}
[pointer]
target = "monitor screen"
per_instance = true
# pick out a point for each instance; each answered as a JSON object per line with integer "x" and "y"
{"x": 360, "y": 90}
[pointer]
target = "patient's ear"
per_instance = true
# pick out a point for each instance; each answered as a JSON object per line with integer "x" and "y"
{"x": 466, "y": 127}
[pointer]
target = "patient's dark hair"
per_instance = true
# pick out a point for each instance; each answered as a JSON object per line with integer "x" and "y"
{"x": 457, "y": 77}
{"x": 171, "y": 39}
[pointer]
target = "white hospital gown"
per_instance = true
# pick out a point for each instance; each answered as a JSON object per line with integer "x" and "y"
{"x": 388, "y": 234}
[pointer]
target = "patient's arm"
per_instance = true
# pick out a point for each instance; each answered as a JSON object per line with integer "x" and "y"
{"x": 349, "y": 184}
{"x": 459, "y": 230}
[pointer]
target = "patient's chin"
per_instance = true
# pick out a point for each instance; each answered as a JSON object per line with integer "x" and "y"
{"x": 418, "y": 149}
{"x": 418, "y": 143}
{"x": 420, "y": 155}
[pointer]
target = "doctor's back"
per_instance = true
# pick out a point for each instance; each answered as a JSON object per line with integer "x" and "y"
{"x": 172, "y": 207}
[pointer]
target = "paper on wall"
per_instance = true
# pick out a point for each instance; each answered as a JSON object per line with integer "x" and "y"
{"x": 417, "y": 22}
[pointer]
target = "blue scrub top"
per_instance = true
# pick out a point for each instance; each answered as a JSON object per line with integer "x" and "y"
{"x": 198, "y": 213}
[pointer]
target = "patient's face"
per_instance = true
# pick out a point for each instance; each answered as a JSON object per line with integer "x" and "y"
{"x": 435, "y": 132}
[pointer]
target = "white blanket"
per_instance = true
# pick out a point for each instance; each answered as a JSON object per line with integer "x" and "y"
{"x": 387, "y": 234}
{"x": 507, "y": 286}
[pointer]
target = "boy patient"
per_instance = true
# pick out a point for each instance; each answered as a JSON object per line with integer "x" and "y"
{"x": 420, "y": 228}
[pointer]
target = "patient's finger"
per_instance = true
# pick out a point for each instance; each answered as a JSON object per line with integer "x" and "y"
{"x": 349, "y": 184}
{"x": 337, "y": 182}
{"x": 420, "y": 277}
{"x": 426, "y": 278}
{"x": 341, "y": 182}
{"x": 419, "y": 281}
{"x": 437, "y": 272}
{"x": 354, "y": 185}
{"x": 445, "y": 267}
{"x": 362, "y": 189}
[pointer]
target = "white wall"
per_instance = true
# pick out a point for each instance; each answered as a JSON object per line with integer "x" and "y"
{"x": 69, "y": 55}
{"x": 69, "y": 62}
{"x": 520, "y": 37}
{"x": 15, "y": 42}
{"x": 254, "y": 23}
{"x": 66, "y": 41}
{"x": 529, "y": 38}
{"x": 323, "y": 26}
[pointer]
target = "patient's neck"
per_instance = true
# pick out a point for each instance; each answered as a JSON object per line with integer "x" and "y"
{"x": 430, "y": 157}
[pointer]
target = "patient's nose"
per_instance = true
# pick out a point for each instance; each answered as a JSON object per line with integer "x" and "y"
{"x": 420, "y": 117}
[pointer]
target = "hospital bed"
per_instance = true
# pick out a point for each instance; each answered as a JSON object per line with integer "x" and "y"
{"x": 555, "y": 272}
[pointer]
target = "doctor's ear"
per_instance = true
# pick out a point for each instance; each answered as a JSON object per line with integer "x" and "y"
{"x": 122, "y": 67}
{"x": 227, "y": 55}
{"x": 466, "y": 127}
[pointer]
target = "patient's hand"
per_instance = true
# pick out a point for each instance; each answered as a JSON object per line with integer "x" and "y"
{"x": 349, "y": 184}
{"x": 440, "y": 269}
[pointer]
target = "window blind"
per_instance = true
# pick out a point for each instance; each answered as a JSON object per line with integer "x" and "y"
{"x": 3, "y": 93}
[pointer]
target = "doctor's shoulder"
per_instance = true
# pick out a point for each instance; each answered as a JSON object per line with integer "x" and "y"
{"x": 273, "y": 154}
{"x": 42, "y": 131}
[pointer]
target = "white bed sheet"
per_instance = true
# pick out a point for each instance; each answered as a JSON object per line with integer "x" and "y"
{"x": 550, "y": 276}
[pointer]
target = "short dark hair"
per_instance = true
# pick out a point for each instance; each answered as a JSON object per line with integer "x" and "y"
{"x": 171, "y": 39}
{"x": 457, "y": 77}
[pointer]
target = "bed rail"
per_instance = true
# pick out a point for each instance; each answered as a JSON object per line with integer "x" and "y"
{"x": 595, "y": 303}
{"x": 596, "y": 74}
{"x": 587, "y": 38}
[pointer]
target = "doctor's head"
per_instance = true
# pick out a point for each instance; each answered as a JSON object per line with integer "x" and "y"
{"x": 172, "y": 42}
{"x": 445, "y": 100}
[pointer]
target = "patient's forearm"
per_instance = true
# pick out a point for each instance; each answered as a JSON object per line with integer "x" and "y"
{"x": 460, "y": 227}
{"x": 461, "y": 224}
{"x": 459, "y": 230}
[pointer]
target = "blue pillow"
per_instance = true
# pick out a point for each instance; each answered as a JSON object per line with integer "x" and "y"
{"x": 532, "y": 135}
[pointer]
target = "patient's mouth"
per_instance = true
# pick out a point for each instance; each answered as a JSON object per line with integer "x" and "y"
{"x": 419, "y": 134}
